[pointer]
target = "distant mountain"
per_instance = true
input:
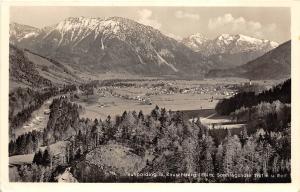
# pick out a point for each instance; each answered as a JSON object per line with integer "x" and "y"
{"x": 22, "y": 33}
{"x": 275, "y": 64}
{"x": 196, "y": 41}
{"x": 115, "y": 44}
{"x": 28, "y": 69}
{"x": 229, "y": 50}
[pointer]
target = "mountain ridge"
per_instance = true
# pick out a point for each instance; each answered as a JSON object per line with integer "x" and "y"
{"x": 121, "y": 45}
{"x": 275, "y": 64}
{"x": 116, "y": 44}
{"x": 228, "y": 50}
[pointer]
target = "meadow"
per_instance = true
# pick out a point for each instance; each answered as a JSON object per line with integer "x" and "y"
{"x": 196, "y": 98}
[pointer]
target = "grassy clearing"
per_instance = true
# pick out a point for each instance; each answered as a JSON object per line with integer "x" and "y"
{"x": 117, "y": 158}
{"x": 100, "y": 107}
{"x": 193, "y": 104}
{"x": 21, "y": 159}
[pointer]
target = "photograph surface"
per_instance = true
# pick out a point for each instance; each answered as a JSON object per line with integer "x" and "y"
{"x": 149, "y": 94}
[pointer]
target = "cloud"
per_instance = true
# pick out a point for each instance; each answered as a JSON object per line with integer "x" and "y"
{"x": 176, "y": 37}
{"x": 181, "y": 14}
{"x": 229, "y": 24}
{"x": 145, "y": 18}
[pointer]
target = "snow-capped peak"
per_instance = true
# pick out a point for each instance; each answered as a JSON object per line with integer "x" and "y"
{"x": 247, "y": 38}
{"x": 75, "y": 29}
{"x": 73, "y": 23}
{"x": 195, "y": 40}
{"x": 274, "y": 44}
{"x": 197, "y": 35}
{"x": 228, "y": 43}
{"x": 253, "y": 40}
{"x": 224, "y": 36}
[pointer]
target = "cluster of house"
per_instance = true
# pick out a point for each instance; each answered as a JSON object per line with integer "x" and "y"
{"x": 166, "y": 89}
{"x": 143, "y": 99}
{"x": 217, "y": 91}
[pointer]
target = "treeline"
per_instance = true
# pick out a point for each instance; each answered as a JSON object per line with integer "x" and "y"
{"x": 63, "y": 120}
{"x": 182, "y": 147}
{"x": 275, "y": 116}
{"x": 23, "y": 101}
{"x": 39, "y": 171}
{"x": 280, "y": 92}
{"x": 31, "y": 173}
{"x": 42, "y": 158}
{"x": 89, "y": 88}
{"x": 62, "y": 123}
{"x": 21, "y": 69}
{"x": 26, "y": 143}
{"x": 177, "y": 146}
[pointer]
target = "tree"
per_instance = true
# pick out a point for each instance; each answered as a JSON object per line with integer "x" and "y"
{"x": 189, "y": 149}
{"x": 243, "y": 136}
{"x": 141, "y": 115}
{"x": 205, "y": 152}
{"x": 231, "y": 151}
{"x": 46, "y": 158}
{"x": 38, "y": 158}
{"x": 78, "y": 153}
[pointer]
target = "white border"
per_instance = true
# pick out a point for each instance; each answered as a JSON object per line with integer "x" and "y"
{"x": 31, "y": 187}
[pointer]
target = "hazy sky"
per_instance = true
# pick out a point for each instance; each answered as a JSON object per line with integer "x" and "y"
{"x": 266, "y": 23}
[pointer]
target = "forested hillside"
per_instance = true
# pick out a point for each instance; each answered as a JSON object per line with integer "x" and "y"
{"x": 23, "y": 72}
{"x": 28, "y": 69}
{"x": 281, "y": 92}
{"x": 23, "y": 101}
{"x": 162, "y": 143}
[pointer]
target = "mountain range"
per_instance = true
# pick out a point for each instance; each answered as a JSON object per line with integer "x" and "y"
{"x": 276, "y": 64}
{"x": 121, "y": 45}
{"x": 229, "y": 50}
{"x": 114, "y": 44}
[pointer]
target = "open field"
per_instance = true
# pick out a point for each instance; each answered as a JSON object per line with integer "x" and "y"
{"x": 196, "y": 98}
{"x": 21, "y": 159}
{"x": 100, "y": 107}
{"x": 176, "y": 95}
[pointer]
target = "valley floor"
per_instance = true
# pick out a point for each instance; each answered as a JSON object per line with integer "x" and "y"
{"x": 196, "y": 99}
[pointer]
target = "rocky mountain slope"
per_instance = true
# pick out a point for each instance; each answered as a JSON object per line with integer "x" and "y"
{"x": 195, "y": 41}
{"x": 230, "y": 50}
{"x": 275, "y": 64}
{"x": 119, "y": 45}
{"x": 115, "y": 44}
{"x": 21, "y": 33}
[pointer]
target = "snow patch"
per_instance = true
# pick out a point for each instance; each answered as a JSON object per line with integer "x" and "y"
{"x": 165, "y": 62}
{"x": 28, "y": 35}
{"x": 102, "y": 45}
{"x": 274, "y": 44}
{"x": 248, "y": 39}
{"x": 142, "y": 62}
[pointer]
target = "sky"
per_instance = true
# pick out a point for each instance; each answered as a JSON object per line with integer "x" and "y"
{"x": 272, "y": 23}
